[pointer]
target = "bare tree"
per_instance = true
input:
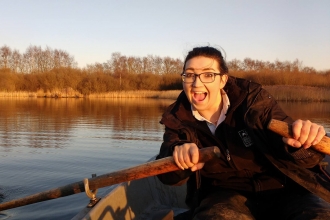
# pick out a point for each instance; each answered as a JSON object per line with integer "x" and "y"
{"x": 5, "y": 54}
{"x": 235, "y": 65}
{"x": 16, "y": 63}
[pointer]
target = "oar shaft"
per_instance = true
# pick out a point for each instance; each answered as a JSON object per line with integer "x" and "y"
{"x": 152, "y": 168}
{"x": 284, "y": 129}
{"x": 46, "y": 195}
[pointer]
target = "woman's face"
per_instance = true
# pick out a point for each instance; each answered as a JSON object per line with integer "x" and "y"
{"x": 204, "y": 96}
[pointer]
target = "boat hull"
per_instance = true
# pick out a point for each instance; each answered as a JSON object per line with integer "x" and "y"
{"x": 139, "y": 199}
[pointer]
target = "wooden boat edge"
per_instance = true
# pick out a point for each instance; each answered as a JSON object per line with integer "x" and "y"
{"x": 138, "y": 199}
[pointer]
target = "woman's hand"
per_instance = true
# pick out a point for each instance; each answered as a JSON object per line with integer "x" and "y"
{"x": 186, "y": 156}
{"x": 305, "y": 134}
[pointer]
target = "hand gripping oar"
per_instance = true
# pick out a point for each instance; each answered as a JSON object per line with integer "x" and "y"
{"x": 284, "y": 129}
{"x": 152, "y": 168}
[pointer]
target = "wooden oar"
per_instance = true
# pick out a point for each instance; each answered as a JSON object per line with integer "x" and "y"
{"x": 284, "y": 129}
{"x": 152, "y": 168}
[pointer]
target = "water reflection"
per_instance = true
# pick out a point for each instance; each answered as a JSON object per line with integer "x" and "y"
{"x": 49, "y": 122}
{"x": 307, "y": 110}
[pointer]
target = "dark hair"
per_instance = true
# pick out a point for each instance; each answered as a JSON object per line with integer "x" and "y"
{"x": 209, "y": 52}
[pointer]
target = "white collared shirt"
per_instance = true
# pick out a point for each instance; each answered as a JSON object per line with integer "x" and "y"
{"x": 222, "y": 117}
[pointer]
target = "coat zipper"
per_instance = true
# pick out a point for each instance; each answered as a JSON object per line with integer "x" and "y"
{"x": 227, "y": 155}
{"x": 220, "y": 145}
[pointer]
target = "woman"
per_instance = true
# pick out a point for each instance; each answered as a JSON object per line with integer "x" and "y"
{"x": 260, "y": 175}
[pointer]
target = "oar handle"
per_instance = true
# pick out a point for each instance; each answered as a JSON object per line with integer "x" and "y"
{"x": 284, "y": 129}
{"x": 151, "y": 168}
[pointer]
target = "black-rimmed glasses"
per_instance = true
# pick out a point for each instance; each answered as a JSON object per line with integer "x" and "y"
{"x": 204, "y": 77}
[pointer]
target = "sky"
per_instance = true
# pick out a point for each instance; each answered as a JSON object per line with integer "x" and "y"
{"x": 91, "y": 31}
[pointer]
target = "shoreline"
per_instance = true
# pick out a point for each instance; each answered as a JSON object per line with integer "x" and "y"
{"x": 279, "y": 92}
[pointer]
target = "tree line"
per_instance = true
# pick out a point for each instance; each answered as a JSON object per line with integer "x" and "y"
{"x": 51, "y": 69}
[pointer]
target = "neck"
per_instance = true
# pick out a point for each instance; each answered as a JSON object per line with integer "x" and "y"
{"x": 213, "y": 114}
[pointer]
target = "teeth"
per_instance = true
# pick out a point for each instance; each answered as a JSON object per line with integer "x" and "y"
{"x": 199, "y": 92}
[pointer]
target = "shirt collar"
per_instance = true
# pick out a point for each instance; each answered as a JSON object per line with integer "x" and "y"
{"x": 222, "y": 117}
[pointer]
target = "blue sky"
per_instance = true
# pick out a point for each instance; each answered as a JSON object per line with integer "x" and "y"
{"x": 92, "y": 30}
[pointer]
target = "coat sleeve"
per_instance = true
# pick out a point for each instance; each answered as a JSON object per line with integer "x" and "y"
{"x": 306, "y": 158}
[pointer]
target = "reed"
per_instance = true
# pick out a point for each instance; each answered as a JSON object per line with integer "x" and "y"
{"x": 280, "y": 93}
{"x": 168, "y": 94}
{"x": 18, "y": 94}
{"x": 41, "y": 94}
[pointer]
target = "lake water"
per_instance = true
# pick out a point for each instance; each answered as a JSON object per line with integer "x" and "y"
{"x": 47, "y": 143}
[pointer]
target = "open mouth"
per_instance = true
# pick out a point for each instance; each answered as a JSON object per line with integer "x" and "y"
{"x": 199, "y": 96}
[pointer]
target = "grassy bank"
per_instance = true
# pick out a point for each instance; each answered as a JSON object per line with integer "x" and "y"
{"x": 280, "y": 92}
{"x": 169, "y": 94}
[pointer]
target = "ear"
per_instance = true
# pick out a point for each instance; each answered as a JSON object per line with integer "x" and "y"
{"x": 224, "y": 79}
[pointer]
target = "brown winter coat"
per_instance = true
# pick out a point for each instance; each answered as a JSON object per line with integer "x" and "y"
{"x": 259, "y": 161}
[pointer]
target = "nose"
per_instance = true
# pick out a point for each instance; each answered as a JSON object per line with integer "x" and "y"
{"x": 198, "y": 81}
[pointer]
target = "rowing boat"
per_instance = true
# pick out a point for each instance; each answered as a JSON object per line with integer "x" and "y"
{"x": 139, "y": 199}
{"x": 145, "y": 198}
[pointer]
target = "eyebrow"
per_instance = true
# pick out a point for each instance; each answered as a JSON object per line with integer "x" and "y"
{"x": 201, "y": 69}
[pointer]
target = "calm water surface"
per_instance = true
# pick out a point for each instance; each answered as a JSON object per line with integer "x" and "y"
{"x": 47, "y": 143}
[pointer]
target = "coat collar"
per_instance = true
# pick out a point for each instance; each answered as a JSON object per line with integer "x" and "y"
{"x": 236, "y": 89}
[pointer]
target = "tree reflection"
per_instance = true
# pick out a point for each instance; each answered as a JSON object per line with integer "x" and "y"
{"x": 50, "y": 122}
